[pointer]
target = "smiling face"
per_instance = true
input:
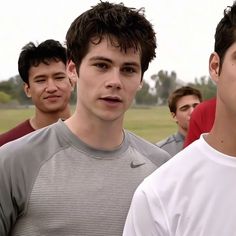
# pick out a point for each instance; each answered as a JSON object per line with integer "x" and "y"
{"x": 108, "y": 80}
{"x": 49, "y": 87}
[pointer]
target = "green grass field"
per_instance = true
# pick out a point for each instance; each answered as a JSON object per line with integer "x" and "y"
{"x": 152, "y": 123}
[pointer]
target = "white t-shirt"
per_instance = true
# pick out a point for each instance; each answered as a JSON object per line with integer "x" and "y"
{"x": 193, "y": 194}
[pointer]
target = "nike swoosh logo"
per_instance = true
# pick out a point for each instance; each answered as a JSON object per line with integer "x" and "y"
{"x": 132, "y": 165}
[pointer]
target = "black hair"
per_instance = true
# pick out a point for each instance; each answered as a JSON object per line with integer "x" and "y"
{"x": 225, "y": 34}
{"x": 32, "y": 55}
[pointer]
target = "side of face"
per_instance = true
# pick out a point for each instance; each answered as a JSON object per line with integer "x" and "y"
{"x": 225, "y": 80}
{"x": 108, "y": 80}
{"x": 184, "y": 108}
{"x": 49, "y": 86}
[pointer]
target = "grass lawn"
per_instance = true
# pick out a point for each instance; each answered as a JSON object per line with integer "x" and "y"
{"x": 152, "y": 123}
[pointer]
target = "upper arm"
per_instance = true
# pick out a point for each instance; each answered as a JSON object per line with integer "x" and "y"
{"x": 146, "y": 216}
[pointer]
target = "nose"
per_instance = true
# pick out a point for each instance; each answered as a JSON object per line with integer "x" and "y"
{"x": 51, "y": 86}
{"x": 191, "y": 110}
{"x": 114, "y": 80}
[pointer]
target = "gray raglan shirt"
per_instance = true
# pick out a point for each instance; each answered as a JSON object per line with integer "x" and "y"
{"x": 52, "y": 184}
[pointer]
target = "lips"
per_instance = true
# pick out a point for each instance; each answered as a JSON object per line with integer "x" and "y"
{"x": 113, "y": 99}
{"x": 52, "y": 97}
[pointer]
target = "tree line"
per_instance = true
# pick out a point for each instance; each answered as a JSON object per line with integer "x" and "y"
{"x": 11, "y": 90}
{"x": 165, "y": 83}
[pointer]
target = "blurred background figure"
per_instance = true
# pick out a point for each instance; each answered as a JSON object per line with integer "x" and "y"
{"x": 201, "y": 120}
{"x": 181, "y": 103}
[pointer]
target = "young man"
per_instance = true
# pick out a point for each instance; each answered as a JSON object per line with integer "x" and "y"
{"x": 181, "y": 103}
{"x": 78, "y": 177}
{"x": 201, "y": 120}
{"x": 43, "y": 70}
{"x": 194, "y": 193}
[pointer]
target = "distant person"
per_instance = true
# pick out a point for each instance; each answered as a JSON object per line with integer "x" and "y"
{"x": 78, "y": 177}
{"x": 194, "y": 193}
{"x": 181, "y": 103}
{"x": 201, "y": 120}
{"x": 43, "y": 69}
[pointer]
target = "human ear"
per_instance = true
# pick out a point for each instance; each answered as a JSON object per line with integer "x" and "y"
{"x": 214, "y": 66}
{"x": 140, "y": 86}
{"x": 173, "y": 115}
{"x": 27, "y": 91}
{"x": 71, "y": 71}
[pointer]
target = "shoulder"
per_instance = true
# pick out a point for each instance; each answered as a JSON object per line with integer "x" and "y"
{"x": 24, "y": 156}
{"x": 170, "y": 140}
{"x": 148, "y": 149}
{"x": 16, "y": 132}
{"x": 172, "y": 144}
{"x": 205, "y": 106}
{"x": 179, "y": 168}
{"x": 32, "y": 144}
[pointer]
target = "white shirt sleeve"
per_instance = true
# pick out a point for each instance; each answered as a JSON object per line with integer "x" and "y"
{"x": 146, "y": 215}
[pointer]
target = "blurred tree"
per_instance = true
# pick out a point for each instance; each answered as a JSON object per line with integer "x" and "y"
{"x": 144, "y": 96}
{"x": 4, "y": 97}
{"x": 14, "y": 87}
{"x": 206, "y": 86}
{"x": 165, "y": 84}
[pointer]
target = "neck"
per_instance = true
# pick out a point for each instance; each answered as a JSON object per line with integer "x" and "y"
{"x": 99, "y": 134}
{"x": 41, "y": 119}
{"x": 182, "y": 131}
{"x": 222, "y": 136}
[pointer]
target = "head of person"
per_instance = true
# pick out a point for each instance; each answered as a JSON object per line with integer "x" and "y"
{"x": 225, "y": 34}
{"x": 125, "y": 28}
{"x": 112, "y": 44}
{"x": 181, "y": 103}
{"x": 222, "y": 62}
{"x": 42, "y": 67}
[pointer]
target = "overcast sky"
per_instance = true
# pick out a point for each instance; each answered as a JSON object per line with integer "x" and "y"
{"x": 185, "y": 30}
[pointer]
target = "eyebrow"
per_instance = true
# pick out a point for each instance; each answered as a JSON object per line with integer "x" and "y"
{"x": 54, "y": 74}
{"x": 189, "y": 105}
{"x": 96, "y": 58}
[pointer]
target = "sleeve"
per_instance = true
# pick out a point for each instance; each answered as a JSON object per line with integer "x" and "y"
{"x": 8, "y": 211}
{"x": 12, "y": 188}
{"x": 146, "y": 216}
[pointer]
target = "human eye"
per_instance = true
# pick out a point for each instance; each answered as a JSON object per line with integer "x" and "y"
{"x": 101, "y": 65}
{"x": 39, "y": 80}
{"x": 184, "y": 108}
{"x": 61, "y": 77}
{"x": 129, "y": 70}
{"x": 195, "y": 104}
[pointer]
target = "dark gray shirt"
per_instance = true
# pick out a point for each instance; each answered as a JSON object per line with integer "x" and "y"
{"x": 172, "y": 144}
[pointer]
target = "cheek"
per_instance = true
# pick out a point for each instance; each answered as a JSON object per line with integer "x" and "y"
{"x": 133, "y": 87}
{"x": 67, "y": 88}
{"x": 182, "y": 117}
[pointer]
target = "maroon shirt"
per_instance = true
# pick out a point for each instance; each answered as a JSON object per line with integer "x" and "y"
{"x": 17, "y": 132}
{"x": 201, "y": 120}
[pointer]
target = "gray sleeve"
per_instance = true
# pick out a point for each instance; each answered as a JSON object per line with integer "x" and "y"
{"x": 17, "y": 173}
{"x": 20, "y": 163}
{"x": 9, "y": 193}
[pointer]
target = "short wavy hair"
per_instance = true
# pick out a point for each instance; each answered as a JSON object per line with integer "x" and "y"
{"x": 126, "y": 26}
{"x": 181, "y": 92}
